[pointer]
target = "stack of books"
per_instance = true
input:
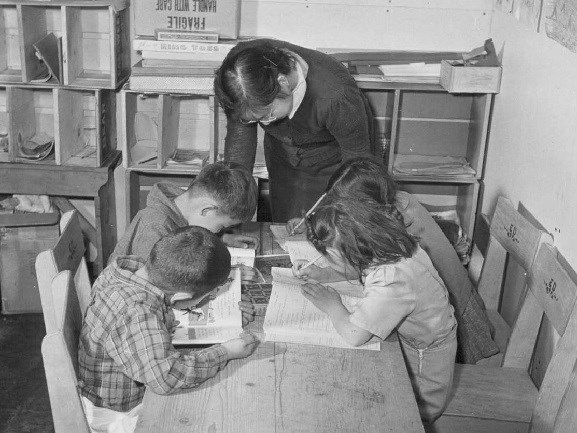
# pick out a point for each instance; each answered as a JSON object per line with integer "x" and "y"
{"x": 178, "y": 61}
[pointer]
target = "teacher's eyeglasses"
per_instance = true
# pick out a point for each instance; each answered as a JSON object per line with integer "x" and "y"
{"x": 264, "y": 120}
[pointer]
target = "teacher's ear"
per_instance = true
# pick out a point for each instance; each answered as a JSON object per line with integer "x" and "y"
{"x": 284, "y": 83}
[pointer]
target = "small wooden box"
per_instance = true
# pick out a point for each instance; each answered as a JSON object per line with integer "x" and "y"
{"x": 218, "y": 16}
{"x": 456, "y": 78}
{"x": 19, "y": 246}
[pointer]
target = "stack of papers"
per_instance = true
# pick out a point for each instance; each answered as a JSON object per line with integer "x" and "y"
{"x": 430, "y": 165}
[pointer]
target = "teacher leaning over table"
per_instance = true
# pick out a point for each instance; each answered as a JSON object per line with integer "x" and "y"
{"x": 313, "y": 114}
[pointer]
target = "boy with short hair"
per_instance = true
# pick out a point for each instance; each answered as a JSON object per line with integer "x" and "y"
{"x": 223, "y": 195}
{"x": 125, "y": 342}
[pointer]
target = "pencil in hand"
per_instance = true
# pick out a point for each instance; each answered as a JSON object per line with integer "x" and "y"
{"x": 310, "y": 211}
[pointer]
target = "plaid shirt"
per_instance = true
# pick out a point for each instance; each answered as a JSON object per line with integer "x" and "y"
{"x": 125, "y": 342}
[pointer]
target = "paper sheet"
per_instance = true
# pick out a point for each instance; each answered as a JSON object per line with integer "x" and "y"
{"x": 242, "y": 256}
{"x": 281, "y": 235}
{"x": 290, "y": 317}
{"x": 219, "y": 320}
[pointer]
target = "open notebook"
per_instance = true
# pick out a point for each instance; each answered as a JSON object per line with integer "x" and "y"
{"x": 217, "y": 321}
{"x": 291, "y": 318}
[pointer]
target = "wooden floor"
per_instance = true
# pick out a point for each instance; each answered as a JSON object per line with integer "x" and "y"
{"x": 24, "y": 403}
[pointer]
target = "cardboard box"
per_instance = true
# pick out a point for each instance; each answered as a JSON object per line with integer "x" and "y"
{"x": 19, "y": 246}
{"x": 456, "y": 78}
{"x": 218, "y": 16}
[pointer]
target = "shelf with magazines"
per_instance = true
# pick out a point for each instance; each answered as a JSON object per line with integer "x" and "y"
{"x": 62, "y": 42}
{"x": 433, "y": 142}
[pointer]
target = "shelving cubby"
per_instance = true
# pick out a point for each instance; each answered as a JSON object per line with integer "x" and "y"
{"x": 81, "y": 122}
{"x": 158, "y": 126}
{"x": 94, "y": 41}
{"x": 419, "y": 122}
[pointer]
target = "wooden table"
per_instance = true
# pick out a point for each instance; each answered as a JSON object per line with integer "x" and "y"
{"x": 292, "y": 388}
{"x": 95, "y": 183}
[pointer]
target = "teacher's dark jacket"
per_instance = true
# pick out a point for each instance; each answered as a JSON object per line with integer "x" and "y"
{"x": 333, "y": 123}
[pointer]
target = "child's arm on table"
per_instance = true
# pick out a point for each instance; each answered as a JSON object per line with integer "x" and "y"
{"x": 141, "y": 347}
{"x": 301, "y": 269}
{"x": 329, "y": 301}
{"x": 239, "y": 240}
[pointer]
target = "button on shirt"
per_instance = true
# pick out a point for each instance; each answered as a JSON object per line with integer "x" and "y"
{"x": 408, "y": 295}
{"x": 125, "y": 342}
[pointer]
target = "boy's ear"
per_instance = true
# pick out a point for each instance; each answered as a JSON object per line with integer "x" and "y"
{"x": 207, "y": 209}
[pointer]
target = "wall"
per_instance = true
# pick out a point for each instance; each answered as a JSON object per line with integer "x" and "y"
{"x": 532, "y": 151}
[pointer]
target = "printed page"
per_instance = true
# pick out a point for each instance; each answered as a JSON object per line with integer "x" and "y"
{"x": 345, "y": 288}
{"x": 290, "y": 317}
{"x": 281, "y": 235}
{"x": 218, "y": 320}
{"x": 242, "y": 256}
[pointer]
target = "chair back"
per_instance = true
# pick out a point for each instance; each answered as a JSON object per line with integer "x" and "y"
{"x": 551, "y": 292}
{"x": 60, "y": 355}
{"x": 67, "y": 254}
{"x": 511, "y": 235}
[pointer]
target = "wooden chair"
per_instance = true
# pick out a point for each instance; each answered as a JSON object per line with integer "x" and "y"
{"x": 511, "y": 237}
{"x": 60, "y": 355}
{"x": 505, "y": 399}
{"x": 67, "y": 254}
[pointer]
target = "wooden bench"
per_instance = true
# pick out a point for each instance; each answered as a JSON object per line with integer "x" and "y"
{"x": 505, "y": 399}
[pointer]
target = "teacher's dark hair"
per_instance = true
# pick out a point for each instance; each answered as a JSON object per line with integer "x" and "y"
{"x": 246, "y": 82}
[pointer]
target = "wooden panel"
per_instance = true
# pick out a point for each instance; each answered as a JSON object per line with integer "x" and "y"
{"x": 69, "y": 117}
{"x": 436, "y": 105}
{"x": 505, "y": 394}
{"x": 479, "y": 128}
{"x": 168, "y": 125}
{"x": 72, "y": 47}
{"x": 515, "y": 233}
{"x": 33, "y": 25}
{"x": 567, "y": 416}
{"x": 211, "y": 409}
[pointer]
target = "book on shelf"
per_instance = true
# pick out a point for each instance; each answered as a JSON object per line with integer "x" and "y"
{"x": 182, "y": 35}
{"x": 179, "y": 64}
{"x": 291, "y": 318}
{"x": 216, "y": 321}
{"x": 176, "y": 83}
{"x": 418, "y": 69}
{"x": 162, "y": 71}
{"x": 48, "y": 51}
{"x": 151, "y": 44}
{"x": 180, "y": 55}
{"x": 189, "y": 157}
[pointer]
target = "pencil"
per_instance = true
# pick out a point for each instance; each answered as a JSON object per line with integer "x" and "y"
{"x": 310, "y": 263}
{"x": 310, "y": 211}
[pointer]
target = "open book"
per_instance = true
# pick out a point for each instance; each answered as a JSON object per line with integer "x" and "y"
{"x": 292, "y": 318}
{"x": 217, "y": 321}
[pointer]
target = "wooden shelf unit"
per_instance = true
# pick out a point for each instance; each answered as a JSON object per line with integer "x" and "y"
{"x": 94, "y": 33}
{"x": 424, "y": 119}
{"x": 155, "y": 125}
{"x": 81, "y": 121}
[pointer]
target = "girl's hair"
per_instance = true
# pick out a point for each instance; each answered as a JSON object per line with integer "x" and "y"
{"x": 191, "y": 259}
{"x": 365, "y": 177}
{"x": 247, "y": 81}
{"x": 362, "y": 230}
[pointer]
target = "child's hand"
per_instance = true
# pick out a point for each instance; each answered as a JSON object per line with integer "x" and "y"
{"x": 247, "y": 309}
{"x": 249, "y": 275}
{"x": 239, "y": 241}
{"x": 314, "y": 272}
{"x": 241, "y": 347}
{"x": 292, "y": 223}
{"x": 324, "y": 298}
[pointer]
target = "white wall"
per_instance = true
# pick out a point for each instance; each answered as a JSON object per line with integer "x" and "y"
{"x": 532, "y": 151}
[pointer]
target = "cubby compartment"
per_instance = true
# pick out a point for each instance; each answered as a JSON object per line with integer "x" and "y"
{"x": 86, "y": 126}
{"x": 41, "y": 26}
{"x": 452, "y": 201}
{"x": 439, "y": 134}
{"x": 169, "y": 131}
{"x": 10, "y": 61}
{"x": 32, "y": 124}
{"x": 5, "y": 154}
{"x": 97, "y": 45}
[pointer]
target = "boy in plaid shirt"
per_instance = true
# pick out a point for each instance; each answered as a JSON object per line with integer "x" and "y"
{"x": 125, "y": 343}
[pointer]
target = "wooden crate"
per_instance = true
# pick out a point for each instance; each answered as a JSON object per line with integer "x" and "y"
{"x": 4, "y": 124}
{"x": 456, "y": 78}
{"x": 155, "y": 126}
{"x": 81, "y": 121}
{"x": 95, "y": 40}
{"x": 19, "y": 246}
